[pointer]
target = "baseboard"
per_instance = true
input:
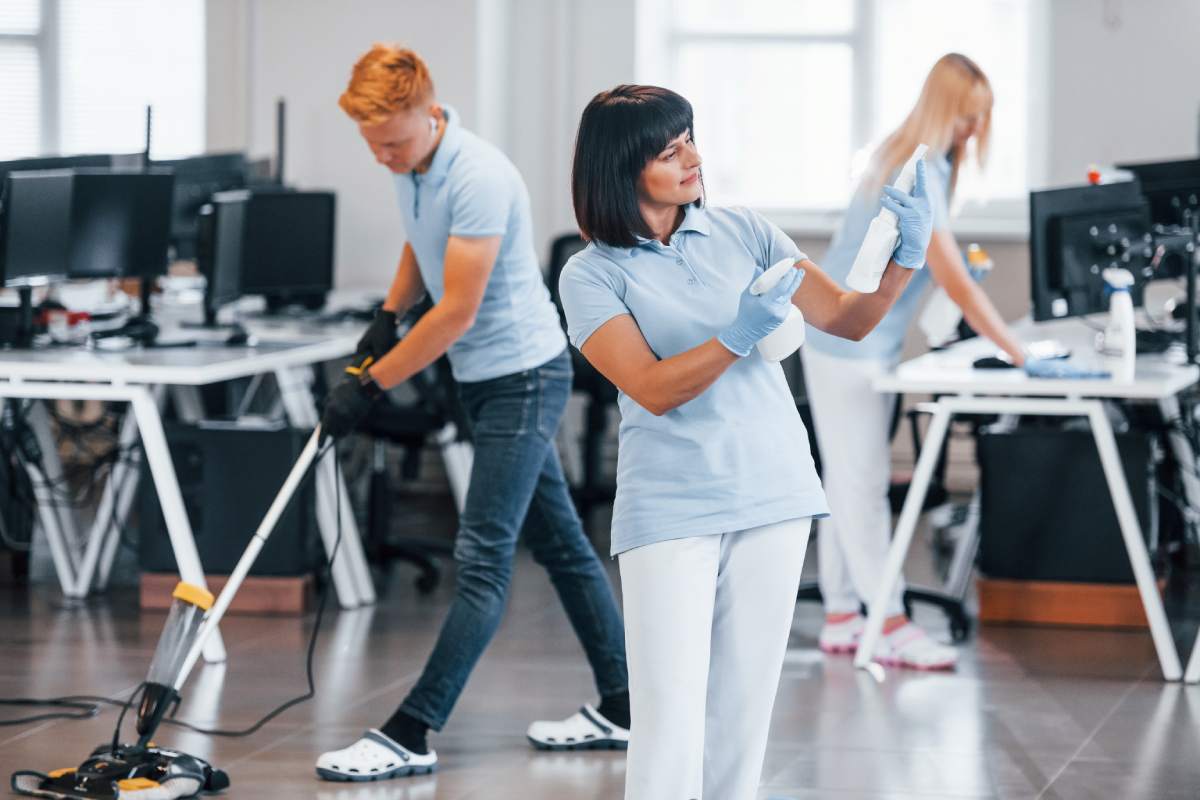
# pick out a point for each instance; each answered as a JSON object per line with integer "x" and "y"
{"x": 1101, "y": 605}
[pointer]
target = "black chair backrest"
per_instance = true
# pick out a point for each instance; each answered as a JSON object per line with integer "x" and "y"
{"x": 561, "y": 250}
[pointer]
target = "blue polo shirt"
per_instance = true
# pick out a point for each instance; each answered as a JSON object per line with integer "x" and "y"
{"x": 887, "y": 339}
{"x": 736, "y": 456}
{"x": 472, "y": 190}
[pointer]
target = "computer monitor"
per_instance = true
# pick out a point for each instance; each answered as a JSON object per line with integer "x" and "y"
{"x": 1172, "y": 189}
{"x": 120, "y": 223}
{"x": 1077, "y": 233}
{"x": 43, "y": 163}
{"x": 35, "y": 220}
{"x": 271, "y": 242}
{"x": 197, "y": 179}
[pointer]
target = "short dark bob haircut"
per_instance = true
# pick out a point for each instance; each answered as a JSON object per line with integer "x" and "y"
{"x": 621, "y": 130}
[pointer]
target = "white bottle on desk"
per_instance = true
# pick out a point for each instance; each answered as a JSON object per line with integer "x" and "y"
{"x": 1120, "y": 335}
{"x": 883, "y": 234}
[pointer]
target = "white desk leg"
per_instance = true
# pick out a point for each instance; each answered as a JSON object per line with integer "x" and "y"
{"x": 1193, "y": 669}
{"x": 1131, "y": 531}
{"x": 458, "y": 458}
{"x": 351, "y": 575}
{"x": 57, "y": 523}
{"x": 903, "y": 536}
{"x": 166, "y": 484}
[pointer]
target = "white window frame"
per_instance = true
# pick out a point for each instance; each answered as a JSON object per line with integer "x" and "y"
{"x": 659, "y": 40}
{"x": 45, "y": 42}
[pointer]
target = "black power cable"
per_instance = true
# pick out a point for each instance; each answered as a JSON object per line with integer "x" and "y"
{"x": 88, "y": 706}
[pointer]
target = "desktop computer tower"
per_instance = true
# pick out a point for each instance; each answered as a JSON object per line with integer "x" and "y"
{"x": 228, "y": 476}
{"x": 1046, "y": 512}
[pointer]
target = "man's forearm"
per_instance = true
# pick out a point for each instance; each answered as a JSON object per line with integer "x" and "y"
{"x": 407, "y": 285}
{"x": 429, "y": 339}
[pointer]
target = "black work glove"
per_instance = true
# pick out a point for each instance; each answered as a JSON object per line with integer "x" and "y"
{"x": 380, "y": 335}
{"x": 345, "y": 407}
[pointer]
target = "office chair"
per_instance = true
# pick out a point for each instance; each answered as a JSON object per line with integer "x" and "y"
{"x": 601, "y": 395}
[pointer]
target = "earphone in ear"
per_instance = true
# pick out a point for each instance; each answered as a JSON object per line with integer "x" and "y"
{"x": 432, "y": 125}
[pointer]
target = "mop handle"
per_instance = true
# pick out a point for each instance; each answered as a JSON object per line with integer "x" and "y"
{"x": 265, "y": 528}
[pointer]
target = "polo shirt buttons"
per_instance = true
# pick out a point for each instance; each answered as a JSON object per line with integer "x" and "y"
{"x": 679, "y": 261}
{"x": 691, "y": 281}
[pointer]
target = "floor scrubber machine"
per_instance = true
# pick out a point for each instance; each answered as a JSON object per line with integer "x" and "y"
{"x": 142, "y": 770}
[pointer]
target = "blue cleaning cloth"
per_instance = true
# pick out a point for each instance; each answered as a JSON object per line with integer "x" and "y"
{"x": 1062, "y": 368}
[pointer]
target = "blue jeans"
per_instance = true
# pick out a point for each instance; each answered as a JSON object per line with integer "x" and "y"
{"x": 517, "y": 487}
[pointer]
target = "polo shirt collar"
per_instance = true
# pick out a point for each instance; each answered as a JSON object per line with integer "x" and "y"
{"x": 448, "y": 147}
{"x": 694, "y": 219}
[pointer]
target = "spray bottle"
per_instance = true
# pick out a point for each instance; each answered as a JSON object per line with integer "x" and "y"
{"x": 883, "y": 235}
{"x": 1120, "y": 336}
{"x": 787, "y": 338}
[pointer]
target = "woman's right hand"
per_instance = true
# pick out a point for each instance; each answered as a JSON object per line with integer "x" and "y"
{"x": 759, "y": 314}
{"x": 914, "y": 217}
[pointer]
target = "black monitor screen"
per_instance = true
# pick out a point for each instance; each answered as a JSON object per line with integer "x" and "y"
{"x": 1077, "y": 233}
{"x": 35, "y": 216}
{"x": 120, "y": 223}
{"x": 197, "y": 179}
{"x": 288, "y": 247}
{"x": 43, "y": 163}
{"x": 1172, "y": 189}
{"x": 224, "y": 240}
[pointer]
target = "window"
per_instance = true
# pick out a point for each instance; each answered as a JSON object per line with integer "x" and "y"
{"x": 792, "y": 96}
{"x": 77, "y": 75}
{"x": 20, "y": 77}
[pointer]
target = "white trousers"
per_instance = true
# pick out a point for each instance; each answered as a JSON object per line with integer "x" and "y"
{"x": 707, "y": 621}
{"x": 853, "y": 424}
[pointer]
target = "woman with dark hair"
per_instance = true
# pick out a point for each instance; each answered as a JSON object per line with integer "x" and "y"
{"x": 716, "y": 488}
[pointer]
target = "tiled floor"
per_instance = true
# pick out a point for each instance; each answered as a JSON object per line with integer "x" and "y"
{"x": 1031, "y": 713}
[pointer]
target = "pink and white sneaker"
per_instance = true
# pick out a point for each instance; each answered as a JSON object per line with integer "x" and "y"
{"x": 841, "y": 637}
{"x": 910, "y": 647}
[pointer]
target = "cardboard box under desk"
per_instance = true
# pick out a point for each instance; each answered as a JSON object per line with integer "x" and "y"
{"x": 259, "y": 594}
{"x": 1100, "y": 605}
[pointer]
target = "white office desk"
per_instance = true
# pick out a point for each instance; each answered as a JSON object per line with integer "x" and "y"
{"x": 141, "y": 378}
{"x": 963, "y": 389}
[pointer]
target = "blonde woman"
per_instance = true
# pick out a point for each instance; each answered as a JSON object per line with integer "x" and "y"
{"x": 852, "y": 421}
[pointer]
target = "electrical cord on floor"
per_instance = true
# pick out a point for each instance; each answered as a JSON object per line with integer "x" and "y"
{"x": 88, "y": 706}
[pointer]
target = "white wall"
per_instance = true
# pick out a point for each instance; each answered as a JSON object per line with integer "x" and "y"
{"x": 303, "y": 51}
{"x": 1125, "y": 83}
{"x": 1121, "y": 84}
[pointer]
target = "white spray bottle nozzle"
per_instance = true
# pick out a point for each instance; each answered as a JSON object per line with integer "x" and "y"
{"x": 787, "y": 338}
{"x": 1118, "y": 279}
{"x": 908, "y": 175}
{"x": 767, "y": 281}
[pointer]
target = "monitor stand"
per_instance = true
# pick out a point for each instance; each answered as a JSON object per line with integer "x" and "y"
{"x": 142, "y": 328}
{"x": 22, "y": 332}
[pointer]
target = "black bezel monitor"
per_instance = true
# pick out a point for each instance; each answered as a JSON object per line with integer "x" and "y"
{"x": 1172, "y": 188}
{"x": 1074, "y": 235}
{"x": 120, "y": 223}
{"x": 35, "y": 221}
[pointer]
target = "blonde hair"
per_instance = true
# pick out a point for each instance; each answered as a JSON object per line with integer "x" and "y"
{"x": 386, "y": 80}
{"x": 954, "y": 87}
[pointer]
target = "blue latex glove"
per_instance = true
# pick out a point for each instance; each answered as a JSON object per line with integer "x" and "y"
{"x": 758, "y": 315}
{"x": 1062, "y": 368}
{"x": 914, "y": 219}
